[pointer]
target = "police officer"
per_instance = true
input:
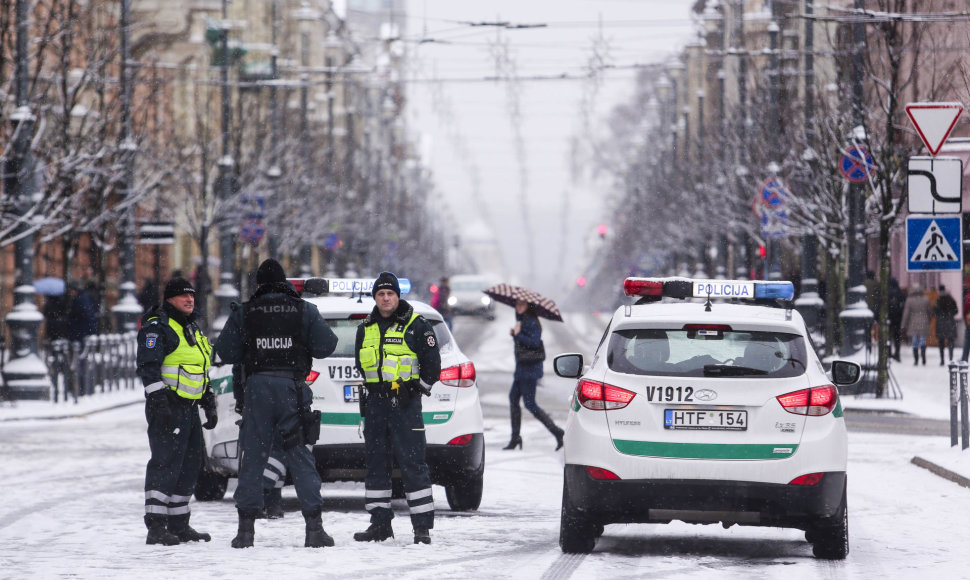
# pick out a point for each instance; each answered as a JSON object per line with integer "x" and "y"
{"x": 275, "y": 335}
{"x": 274, "y": 476}
{"x": 397, "y": 354}
{"x": 173, "y": 361}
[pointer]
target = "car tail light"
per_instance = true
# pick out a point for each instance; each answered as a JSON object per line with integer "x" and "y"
{"x": 600, "y": 473}
{"x": 462, "y": 375}
{"x": 602, "y": 397}
{"x": 311, "y": 376}
{"x": 461, "y": 440}
{"x": 815, "y": 402}
{"x": 807, "y": 479}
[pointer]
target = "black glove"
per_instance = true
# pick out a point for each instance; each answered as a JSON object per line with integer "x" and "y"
{"x": 208, "y": 403}
{"x": 159, "y": 409}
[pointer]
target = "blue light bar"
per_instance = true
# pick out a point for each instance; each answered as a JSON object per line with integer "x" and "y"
{"x": 782, "y": 290}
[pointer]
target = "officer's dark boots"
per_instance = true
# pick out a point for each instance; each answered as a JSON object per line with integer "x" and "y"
{"x": 316, "y": 537}
{"x": 246, "y": 533}
{"x": 188, "y": 534}
{"x": 158, "y": 533}
{"x": 422, "y": 536}
{"x": 375, "y": 533}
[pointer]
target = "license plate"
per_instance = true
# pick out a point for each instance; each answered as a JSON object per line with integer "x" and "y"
{"x": 351, "y": 393}
{"x": 710, "y": 419}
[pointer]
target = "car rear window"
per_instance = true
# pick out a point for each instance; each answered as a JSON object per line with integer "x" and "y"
{"x": 346, "y": 331}
{"x": 707, "y": 353}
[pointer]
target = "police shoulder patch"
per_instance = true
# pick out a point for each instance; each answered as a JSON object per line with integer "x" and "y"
{"x": 151, "y": 339}
{"x": 431, "y": 341}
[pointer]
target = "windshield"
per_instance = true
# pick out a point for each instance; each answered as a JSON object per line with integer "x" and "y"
{"x": 346, "y": 331}
{"x": 700, "y": 353}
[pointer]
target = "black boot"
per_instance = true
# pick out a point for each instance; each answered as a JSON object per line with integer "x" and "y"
{"x": 247, "y": 532}
{"x": 915, "y": 357}
{"x": 316, "y": 537}
{"x": 273, "y": 502}
{"x": 515, "y": 415}
{"x": 188, "y": 534}
{"x": 158, "y": 533}
{"x": 922, "y": 351}
{"x": 422, "y": 536}
{"x": 546, "y": 420}
{"x": 375, "y": 533}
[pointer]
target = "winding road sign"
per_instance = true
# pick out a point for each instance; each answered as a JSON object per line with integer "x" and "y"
{"x": 935, "y": 185}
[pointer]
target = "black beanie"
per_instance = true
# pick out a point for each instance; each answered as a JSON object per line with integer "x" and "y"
{"x": 386, "y": 281}
{"x": 177, "y": 287}
{"x": 270, "y": 271}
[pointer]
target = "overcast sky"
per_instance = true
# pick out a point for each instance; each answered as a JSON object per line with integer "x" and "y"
{"x": 500, "y": 150}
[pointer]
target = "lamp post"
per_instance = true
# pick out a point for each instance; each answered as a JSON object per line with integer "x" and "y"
{"x": 305, "y": 15}
{"x": 25, "y": 374}
{"x": 227, "y": 292}
{"x": 274, "y": 172}
{"x": 127, "y": 309}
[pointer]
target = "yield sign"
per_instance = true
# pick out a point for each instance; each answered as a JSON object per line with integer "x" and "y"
{"x": 933, "y": 122}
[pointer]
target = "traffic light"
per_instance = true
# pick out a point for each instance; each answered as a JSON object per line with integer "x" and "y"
{"x": 601, "y": 230}
{"x": 581, "y": 281}
{"x": 762, "y": 251}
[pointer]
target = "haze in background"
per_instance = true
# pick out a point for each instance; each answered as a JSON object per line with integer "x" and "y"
{"x": 510, "y": 157}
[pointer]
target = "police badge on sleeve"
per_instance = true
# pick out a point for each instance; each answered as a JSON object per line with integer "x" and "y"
{"x": 151, "y": 339}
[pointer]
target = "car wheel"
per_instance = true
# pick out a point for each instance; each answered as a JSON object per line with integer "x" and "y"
{"x": 211, "y": 486}
{"x": 466, "y": 495}
{"x": 577, "y": 535}
{"x": 830, "y": 536}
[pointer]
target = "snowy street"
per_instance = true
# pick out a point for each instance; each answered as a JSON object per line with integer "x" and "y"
{"x": 74, "y": 504}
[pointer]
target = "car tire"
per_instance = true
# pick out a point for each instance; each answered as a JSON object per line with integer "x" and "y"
{"x": 466, "y": 495}
{"x": 211, "y": 486}
{"x": 577, "y": 535}
{"x": 830, "y": 536}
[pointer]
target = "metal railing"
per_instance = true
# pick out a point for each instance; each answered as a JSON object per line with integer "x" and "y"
{"x": 102, "y": 363}
{"x": 958, "y": 398}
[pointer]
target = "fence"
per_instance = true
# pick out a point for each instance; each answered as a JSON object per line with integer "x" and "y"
{"x": 102, "y": 363}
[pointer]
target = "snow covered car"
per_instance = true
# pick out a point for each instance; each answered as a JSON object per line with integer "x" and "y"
{"x": 452, "y": 414}
{"x": 713, "y": 408}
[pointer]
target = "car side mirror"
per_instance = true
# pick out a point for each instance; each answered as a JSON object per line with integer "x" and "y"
{"x": 569, "y": 366}
{"x": 845, "y": 373}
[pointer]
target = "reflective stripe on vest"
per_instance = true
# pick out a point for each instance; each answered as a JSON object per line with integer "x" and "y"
{"x": 397, "y": 361}
{"x": 184, "y": 369}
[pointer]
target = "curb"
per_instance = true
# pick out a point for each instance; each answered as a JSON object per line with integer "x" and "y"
{"x": 70, "y": 415}
{"x": 942, "y": 471}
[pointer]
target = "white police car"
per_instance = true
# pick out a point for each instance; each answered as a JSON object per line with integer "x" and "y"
{"x": 706, "y": 411}
{"x": 452, "y": 414}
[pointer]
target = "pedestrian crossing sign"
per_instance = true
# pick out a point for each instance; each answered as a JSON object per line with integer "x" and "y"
{"x": 933, "y": 244}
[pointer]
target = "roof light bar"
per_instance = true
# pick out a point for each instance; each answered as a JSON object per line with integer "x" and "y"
{"x": 688, "y": 288}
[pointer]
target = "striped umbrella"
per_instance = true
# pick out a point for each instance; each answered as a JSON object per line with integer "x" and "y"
{"x": 508, "y": 294}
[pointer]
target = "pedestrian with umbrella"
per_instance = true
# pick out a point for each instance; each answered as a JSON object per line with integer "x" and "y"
{"x": 529, "y": 354}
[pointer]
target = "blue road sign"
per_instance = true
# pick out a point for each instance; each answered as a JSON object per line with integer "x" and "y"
{"x": 253, "y": 231}
{"x": 256, "y": 206}
{"x": 773, "y": 193}
{"x": 933, "y": 243}
{"x": 856, "y": 164}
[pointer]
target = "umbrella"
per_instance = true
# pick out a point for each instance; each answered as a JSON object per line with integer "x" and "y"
{"x": 508, "y": 294}
{"x": 49, "y": 286}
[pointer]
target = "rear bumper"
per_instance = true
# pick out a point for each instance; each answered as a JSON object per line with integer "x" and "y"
{"x": 448, "y": 464}
{"x": 703, "y": 501}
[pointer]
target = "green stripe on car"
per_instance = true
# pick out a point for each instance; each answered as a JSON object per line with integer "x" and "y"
{"x": 430, "y": 418}
{"x": 704, "y": 450}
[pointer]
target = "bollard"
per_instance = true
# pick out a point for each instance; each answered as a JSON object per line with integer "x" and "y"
{"x": 956, "y": 369}
{"x": 965, "y": 421}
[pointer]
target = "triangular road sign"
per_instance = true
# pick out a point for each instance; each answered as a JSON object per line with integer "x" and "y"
{"x": 933, "y": 122}
{"x": 933, "y": 247}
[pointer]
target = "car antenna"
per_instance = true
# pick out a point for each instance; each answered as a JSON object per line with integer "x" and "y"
{"x": 707, "y": 305}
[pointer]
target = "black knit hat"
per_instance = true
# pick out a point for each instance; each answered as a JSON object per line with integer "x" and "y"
{"x": 177, "y": 287}
{"x": 270, "y": 271}
{"x": 386, "y": 281}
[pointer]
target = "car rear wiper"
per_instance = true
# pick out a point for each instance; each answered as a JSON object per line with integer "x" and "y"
{"x": 722, "y": 370}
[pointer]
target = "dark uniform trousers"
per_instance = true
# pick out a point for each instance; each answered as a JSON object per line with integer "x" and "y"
{"x": 177, "y": 456}
{"x": 396, "y": 430}
{"x": 270, "y": 408}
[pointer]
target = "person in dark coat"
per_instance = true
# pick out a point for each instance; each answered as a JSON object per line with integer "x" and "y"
{"x": 527, "y": 336}
{"x": 897, "y": 299}
{"x": 82, "y": 322}
{"x": 276, "y": 335}
{"x": 946, "y": 325}
{"x": 917, "y": 313}
{"x": 55, "y": 316}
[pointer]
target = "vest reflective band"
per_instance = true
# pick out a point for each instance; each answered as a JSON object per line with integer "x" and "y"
{"x": 184, "y": 370}
{"x": 389, "y": 359}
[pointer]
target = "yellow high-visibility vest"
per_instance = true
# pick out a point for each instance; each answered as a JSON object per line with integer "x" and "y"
{"x": 185, "y": 369}
{"x": 391, "y": 359}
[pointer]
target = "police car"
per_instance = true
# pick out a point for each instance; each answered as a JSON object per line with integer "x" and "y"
{"x": 452, "y": 414}
{"x": 706, "y": 403}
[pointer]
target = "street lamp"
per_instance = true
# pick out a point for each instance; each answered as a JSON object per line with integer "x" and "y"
{"x": 305, "y": 15}
{"x": 25, "y": 374}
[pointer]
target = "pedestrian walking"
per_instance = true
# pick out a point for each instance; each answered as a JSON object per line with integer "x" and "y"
{"x": 173, "y": 361}
{"x": 275, "y": 336}
{"x": 439, "y": 301}
{"x": 529, "y": 354}
{"x": 82, "y": 322}
{"x": 896, "y": 302}
{"x": 917, "y": 313}
{"x": 397, "y": 354}
{"x": 945, "y": 311}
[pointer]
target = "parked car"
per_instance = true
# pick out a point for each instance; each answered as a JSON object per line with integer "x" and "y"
{"x": 452, "y": 414}
{"x": 711, "y": 408}
{"x": 467, "y": 297}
